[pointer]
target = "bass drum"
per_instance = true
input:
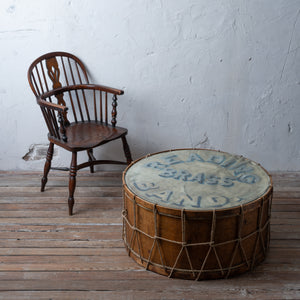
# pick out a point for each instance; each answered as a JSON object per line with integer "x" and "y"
{"x": 196, "y": 214}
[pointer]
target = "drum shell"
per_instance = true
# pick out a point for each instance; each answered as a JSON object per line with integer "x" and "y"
{"x": 189, "y": 244}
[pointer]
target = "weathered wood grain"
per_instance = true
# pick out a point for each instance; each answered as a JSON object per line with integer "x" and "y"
{"x": 45, "y": 254}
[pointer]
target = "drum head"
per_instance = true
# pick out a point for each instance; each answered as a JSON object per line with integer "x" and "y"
{"x": 197, "y": 179}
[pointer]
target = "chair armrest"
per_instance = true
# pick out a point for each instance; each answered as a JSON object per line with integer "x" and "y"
{"x": 105, "y": 89}
{"x": 83, "y": 87}
{"x": 48, "y": 110}
{"x": 78, "y": 97}
{"x": 53, "y": 106}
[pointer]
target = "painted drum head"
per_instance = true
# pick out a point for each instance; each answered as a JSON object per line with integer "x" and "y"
{"x": 197, "y": 179}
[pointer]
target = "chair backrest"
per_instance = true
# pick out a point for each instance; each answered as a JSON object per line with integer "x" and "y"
{"x": 63, "y": 76}
{"x": 54, "y": 70}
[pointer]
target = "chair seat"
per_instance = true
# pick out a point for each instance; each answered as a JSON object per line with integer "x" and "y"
{"x": 85, "y": 135}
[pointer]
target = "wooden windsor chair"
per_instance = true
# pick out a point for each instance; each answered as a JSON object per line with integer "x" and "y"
{"x": 79, "y": 120}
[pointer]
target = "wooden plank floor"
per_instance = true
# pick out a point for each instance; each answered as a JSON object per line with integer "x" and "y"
{"x": 45, "y": 254}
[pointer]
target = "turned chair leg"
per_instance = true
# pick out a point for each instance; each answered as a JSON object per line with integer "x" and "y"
{"x": 72, "y": 182}
{"x": 91, "y": 158}
{"x": 47, "y": 166}
{"x": 126, "y": 150}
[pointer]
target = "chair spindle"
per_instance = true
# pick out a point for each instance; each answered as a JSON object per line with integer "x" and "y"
{"x": 106, "y": 118}
{"x": 101, "y": 112}
{"x": 114, "y": 111}
{"x": 95, "y": 105}
{"x": 44, "y": 77}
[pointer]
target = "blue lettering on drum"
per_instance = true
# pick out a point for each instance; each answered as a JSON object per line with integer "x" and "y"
{"x": 212, "y": 180}
{"x": 182, "y": 199}
{"x": 145, "y": 186}
{"x": 226, "y": 164}
{"x": 219, "y": 201}
{"x": 168, "y": 173}
{"x": 202, "y": 178}
{"x": 216, "y": 159}
{"x": 163, "y": 196}
{"x": 198, "y": 205}
{"x": 195, "y": 156}
{"x": 185, "y": 200}
{"x": 241, "y": 172}
{"x": 250, "y": 179}
{"x": 183, "y": 175}
{"x": 156, "y": 165}
{"x": 172, "y": 159}
{"x": 227, "y": 182}
{"x": 212, "y": 202}
{"x": 242, "y": 168}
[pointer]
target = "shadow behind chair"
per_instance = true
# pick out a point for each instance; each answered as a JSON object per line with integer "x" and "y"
{"x": 81, "y": 119}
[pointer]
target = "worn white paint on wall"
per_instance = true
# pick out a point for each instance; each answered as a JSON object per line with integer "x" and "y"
{"x": 221, "y": 74}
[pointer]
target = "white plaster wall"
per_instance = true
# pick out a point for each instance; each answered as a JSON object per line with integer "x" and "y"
{"x": 221, "y": 74}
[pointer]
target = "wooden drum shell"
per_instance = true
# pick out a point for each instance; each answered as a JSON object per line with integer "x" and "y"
{"x": 189, "y": 244}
